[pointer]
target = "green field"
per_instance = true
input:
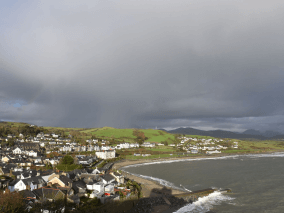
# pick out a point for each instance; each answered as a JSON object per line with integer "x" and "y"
{"x": 127, "y": 134}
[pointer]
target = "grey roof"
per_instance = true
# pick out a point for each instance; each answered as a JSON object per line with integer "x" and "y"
{"x": 49, "y": 193}
{"x": 16, "y": 173}
{"x": 108, "y": 177}
{"x": 77, "y": 184}
{"x": 14, "y": 182}
{"x": 27, "y": 193}
{"x": 47, "y": 172}
{"x": 65, "y": 179}
{"x": 34, "y": 180}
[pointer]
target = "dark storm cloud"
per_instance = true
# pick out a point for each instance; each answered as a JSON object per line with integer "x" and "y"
{"x": 206, "y": 64}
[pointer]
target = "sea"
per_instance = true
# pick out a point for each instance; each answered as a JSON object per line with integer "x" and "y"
{"x": 256, "y": 181}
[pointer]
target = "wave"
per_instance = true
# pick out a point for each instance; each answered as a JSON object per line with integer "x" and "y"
{"x": 275, "y": 154}
{"x": 204, "y": 204}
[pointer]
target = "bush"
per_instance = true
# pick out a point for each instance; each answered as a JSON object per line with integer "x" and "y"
{"x": 67, "y": 160}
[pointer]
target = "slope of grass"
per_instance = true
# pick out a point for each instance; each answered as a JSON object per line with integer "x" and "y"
{"x": 116, "y": 133}
{"x": 13, "y": 124}
{"x": 127, "y": 134}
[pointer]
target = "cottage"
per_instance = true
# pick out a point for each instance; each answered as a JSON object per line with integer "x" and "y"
{"x": 61, "y": 180}
{"x": 108, "y": 178}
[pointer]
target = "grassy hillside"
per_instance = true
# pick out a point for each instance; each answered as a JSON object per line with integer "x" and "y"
{"x": 12, "y": 124}
{"x": 128, "y": 136}
{"x": 107, "y": 133}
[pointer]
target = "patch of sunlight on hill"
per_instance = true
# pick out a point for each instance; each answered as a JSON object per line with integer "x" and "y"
{"x": 116, "y": 133}
{"x": 158, "y": 135}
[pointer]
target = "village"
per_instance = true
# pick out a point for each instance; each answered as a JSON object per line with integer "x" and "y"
{"x": 30, "y": 167}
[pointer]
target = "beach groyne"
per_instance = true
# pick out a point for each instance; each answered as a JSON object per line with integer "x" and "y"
{"x": 194, "y": 195}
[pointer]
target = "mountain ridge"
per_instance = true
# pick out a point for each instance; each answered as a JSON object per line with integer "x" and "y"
{"x": 253, "y": 134}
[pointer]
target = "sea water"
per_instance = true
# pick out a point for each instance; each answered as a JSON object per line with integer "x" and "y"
{"x": 256, "y": 181}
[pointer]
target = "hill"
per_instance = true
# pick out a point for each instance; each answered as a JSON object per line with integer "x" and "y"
{"x": 108, "y": 133}
{"x": 216, "y": 133}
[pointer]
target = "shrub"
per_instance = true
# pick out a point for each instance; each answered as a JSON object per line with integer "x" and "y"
{"x": 67, "y": 160}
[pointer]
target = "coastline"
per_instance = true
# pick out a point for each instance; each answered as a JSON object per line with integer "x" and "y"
{"x": 149, "y": 185}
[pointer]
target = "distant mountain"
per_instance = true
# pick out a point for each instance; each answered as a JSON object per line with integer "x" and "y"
{"x": 271, "y": 134}
{"x": 252, "y": 132}
{"x": 267, "y": 134}
{"x": 216, "y": 133}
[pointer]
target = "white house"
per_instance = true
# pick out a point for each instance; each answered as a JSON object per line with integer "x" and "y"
{"x": 213, "y": 152}
{"x": 17, "y": 151}
{"x": 99, "y": 186}
{"x": 31, "y": 153}
{"x": 105, "y": 148}
{"x": 55, "y": 136}
{"x": 17, "y": 185}
{"x": 148, "y": 144}
{"x": 134, "y": 145}
{"x": 124, "y": 145}
{"x": 107, "y": 154}
{"x": 107, "y": 179}
{"x": 23, "y": 184}
{"x": 52, "y": 142}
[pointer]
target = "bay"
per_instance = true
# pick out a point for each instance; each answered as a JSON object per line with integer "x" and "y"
{"x": 257, "y": 181}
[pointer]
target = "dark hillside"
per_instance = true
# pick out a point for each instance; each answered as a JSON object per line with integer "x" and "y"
{"x": 215, "y": 133}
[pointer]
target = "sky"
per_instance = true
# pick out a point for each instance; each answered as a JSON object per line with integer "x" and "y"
{"x": 143, "y": 64}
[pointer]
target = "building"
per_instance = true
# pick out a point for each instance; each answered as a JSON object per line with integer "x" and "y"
{"x": 106, "y": 154}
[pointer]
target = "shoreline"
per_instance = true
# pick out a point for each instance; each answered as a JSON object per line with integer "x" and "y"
{"x": 149, "y": 186}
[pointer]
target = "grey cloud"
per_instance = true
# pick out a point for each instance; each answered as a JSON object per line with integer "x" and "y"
{"x": 125, "y": 63}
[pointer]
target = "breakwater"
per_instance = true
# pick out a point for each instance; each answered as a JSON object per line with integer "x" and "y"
{"x": 193, "y": 196}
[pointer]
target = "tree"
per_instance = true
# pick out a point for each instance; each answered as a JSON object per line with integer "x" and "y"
{"x": 165, "y": 143}
{"x": 140, "y": 136}
{"x": 11, "y": 142}
{"x": 67, "y": 160}
{"x": 11, "y": 202}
